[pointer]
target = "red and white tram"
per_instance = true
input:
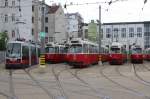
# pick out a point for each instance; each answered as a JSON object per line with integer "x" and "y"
{"x": 117, "y": 53}
{"x": 136, "y": 55}
{"x": 82, "y": 53}
{"x": 55, "y": 53}
{"x": 147, "y": 54}
{"x": 21, "y": 54}
{"x": 104, "y": 54}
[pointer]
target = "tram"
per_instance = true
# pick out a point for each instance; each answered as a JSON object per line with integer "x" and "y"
{"x": 82, "y": 53}
{"x": 117, "y": 53}
{"x": 55, "y": 53}
{"x": 21, "y": 54}
{"x": 104, "y": 54}
{"x": 136, "y": 54}
{"x": 147, "y": 54}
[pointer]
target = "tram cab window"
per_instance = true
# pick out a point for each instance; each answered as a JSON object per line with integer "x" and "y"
{"x": 136, "y": 50}
{"x": 115, "y": 50}
{"x": 25, "y": 51}
{"x": 13, "y": 50}
{"x": 50, "y": 50}
{"x": 75, "y": 49}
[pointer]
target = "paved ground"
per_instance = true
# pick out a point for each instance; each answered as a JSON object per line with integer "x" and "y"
{"x": 60, "y": 81}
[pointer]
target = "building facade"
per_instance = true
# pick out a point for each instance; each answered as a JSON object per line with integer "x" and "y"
{"x": 127, "y": 33}
{"x": 55, "y": 24}
{"x": 21, "y": 19}
{"x": 74, "y": 25}
{"x": 92, "y": 31}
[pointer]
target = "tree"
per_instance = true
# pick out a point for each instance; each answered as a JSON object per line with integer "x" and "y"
{"x": 3, "y": 41}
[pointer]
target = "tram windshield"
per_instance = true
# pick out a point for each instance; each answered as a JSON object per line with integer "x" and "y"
{"x": 136, "y": 50}
{"x": 75, "y": 49}
{"x": 13, "y": 50}
{"x": 115, "y": 50}
{"x": 50, "y": 50}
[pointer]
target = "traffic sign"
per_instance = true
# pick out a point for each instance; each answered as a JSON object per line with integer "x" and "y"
{"x": 42, "y": 34}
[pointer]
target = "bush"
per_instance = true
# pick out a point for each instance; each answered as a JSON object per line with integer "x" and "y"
{"x": 3, "y": 41}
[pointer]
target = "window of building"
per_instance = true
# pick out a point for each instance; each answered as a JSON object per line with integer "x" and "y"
{"x": 6, "y": 18}
{"x": 46, "y": 20}
{"x": 13, "y": 17}
{"x": 6, "y": 2}
{"x": 116, "y": 32}
{"x": 123, "y": 32}
{"x": 13, "y": 3}
{"x": 139, "y": 32}
{"x": 46, "y": 29}
{"x": 32, "y": 19}
{"x": 131, "y": 32}
{"x": 51, "y": 39}
{"x": 32, "y": 8}
{"x": 13, "y": 33}
{"x": 5, "y": 31}
{"x": 101, "y": 33}
{"x": 32, "y": 32}
{"x": 108, "y": 31}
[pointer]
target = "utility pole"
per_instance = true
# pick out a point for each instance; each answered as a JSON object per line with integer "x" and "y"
{"x": 99, "y": 37}
{"x": 43, "y": 27}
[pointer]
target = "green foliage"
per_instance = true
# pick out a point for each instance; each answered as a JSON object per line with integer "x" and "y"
{"x": 3, "y": 41}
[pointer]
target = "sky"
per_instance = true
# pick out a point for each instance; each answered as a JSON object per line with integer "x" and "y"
{"x": 120, "y": 11}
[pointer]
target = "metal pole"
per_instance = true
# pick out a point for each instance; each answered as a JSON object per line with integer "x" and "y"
{"x": 43, "y": 27}
{"x": 99, "y": 37}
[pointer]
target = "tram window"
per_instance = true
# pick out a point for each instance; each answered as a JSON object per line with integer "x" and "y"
{"x": 115, "y": 50}
{"x": 61, "y": 50}
{"x": 56, "y": 49}
{"x": 33, "y": 51}
{"x": 85, "y": 48}
{"x": 90, "y": 49}
{"x": 25, "y": 51}
{"x": 46, "y": 49}
{"x": 13, "y": 50}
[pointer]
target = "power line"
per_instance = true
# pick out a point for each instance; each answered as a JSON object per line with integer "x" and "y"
{"x": 91, "y": 3}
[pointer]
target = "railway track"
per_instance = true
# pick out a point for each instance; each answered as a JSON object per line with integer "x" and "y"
{"x": 129, "y": 90}
{"x": 98, "y": 93}
{"x": 39, "y": 85}
{"x": 58, "y": 82}
{"x": 133, "y": 79}
{"x": 138, "y": 76}
{"x": 11, "y": 86}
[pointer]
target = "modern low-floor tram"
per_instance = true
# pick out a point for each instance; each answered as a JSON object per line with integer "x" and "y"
{"x": 21, "y": 54}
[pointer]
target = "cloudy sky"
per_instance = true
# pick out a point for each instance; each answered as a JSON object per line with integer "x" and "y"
{"x": 121, "y": 11}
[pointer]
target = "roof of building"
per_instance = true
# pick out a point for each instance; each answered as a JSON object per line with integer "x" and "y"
{"x": 118, "y": 23}
{"x": 53, "y": 9}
